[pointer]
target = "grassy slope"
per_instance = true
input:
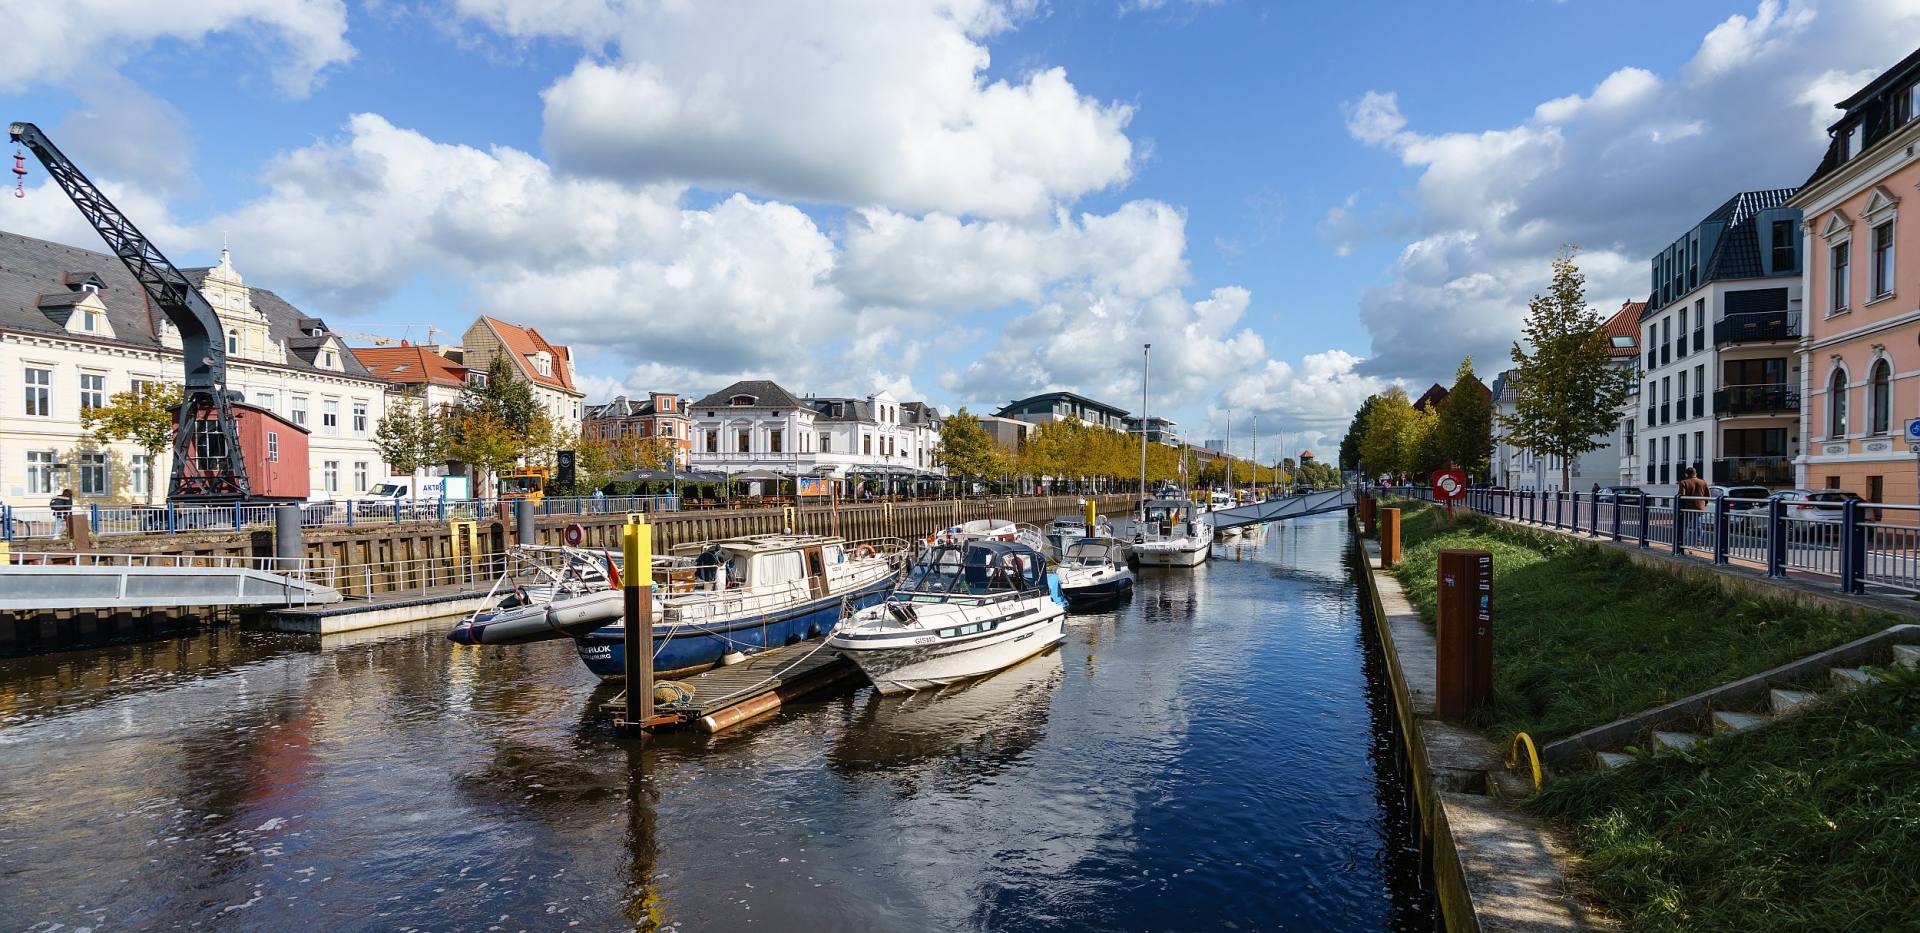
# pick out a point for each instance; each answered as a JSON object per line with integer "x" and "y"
{"x": 1583, "y": 637}
{"x": 1812, "y": 823}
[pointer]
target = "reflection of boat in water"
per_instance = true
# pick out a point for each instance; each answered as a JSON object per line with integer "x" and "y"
{"x": 982, "y": 725}
{"x": 963, "y": 611}
{"x": 1093, "y": 572}
{"x": 737, "y": 595}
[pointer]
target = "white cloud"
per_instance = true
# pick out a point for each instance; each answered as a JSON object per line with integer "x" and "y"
{"x": 74, "y": 40}
{"x": 1620, "y": 171}
{"x": 843, "y": 102}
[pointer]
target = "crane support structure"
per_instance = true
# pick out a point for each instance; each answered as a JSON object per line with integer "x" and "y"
{"x": 207, "y": 461}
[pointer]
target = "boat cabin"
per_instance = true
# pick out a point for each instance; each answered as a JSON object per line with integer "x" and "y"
{"x": 1092, "y": 552}
{"x": 975, "y": 570}
{"x": 759, "y": 562}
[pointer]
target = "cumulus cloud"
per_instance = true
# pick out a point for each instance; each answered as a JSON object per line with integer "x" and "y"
{"x": 75, "y": 39}
{"x": 843, "y": 102}
{"x": 1620, "y": 169}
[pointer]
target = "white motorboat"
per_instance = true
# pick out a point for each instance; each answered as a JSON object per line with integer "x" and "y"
{"x": 1171, "y": 533}
{"x": 1066, "y": 529}
{"x": 964, "y": 610}
{"x": 1094, "y": 572}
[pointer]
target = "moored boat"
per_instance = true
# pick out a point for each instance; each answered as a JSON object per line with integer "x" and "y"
{"x": 1093, "y": 572}
{"x": 963, "y": 611}
{"x": 1170, "y": 533}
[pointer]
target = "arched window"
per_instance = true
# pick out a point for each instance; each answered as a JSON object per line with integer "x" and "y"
{"x": 233, "y": 341}
{"x": 1880, "y": 396}
{"x": 1837, "y": 404}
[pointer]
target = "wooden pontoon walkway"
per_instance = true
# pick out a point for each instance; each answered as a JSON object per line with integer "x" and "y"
{"x": 726, "y": 696}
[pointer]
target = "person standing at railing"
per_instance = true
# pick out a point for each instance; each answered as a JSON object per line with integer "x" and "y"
{"x": 1693, "y": 494}
{"x": 62, "y": 504}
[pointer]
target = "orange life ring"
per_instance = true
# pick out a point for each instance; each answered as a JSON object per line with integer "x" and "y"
{"x": 575, "y": 535}
{"x": 864, "y": 551}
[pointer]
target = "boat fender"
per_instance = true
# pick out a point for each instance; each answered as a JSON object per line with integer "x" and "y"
{"x": 864, "y": 551}
{"x": 576, "y": 534}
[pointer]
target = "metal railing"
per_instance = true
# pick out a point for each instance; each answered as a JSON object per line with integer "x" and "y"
{"x": 1851, "y": 544}
{"x": 310, "y": 569}
{"x": 1753, "y": 326}
{"x": 105, "y": 520}
{"x": 1756, "y": 400}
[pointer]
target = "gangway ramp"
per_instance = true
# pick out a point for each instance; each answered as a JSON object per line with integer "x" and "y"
{"x": 31, "y": 582}
{"x": 1273, "y": 510}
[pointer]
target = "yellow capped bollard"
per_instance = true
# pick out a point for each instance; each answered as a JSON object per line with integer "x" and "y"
{"x": 1093, "y": 516}
{"x": 636, "y": 580}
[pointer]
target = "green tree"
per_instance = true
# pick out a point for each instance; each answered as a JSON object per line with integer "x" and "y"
{"x": 409, "y": 437}
{"x": 1350, "y": 444}
{"x": 1567, "y": 391}
{"x": 483, "y": 442}
{"x": 507, "y": 423}
{"x": 144, "y": 417}
{"x": 1466, "y": 423}
{"x": 1384, "y": 448}
{"x": 967, "y": 450}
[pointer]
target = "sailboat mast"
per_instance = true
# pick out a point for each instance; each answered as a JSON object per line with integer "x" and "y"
{"x": 1229, "y": 453}
{"x": 1146, "y": 350}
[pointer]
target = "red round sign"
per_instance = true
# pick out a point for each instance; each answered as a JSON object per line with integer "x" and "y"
{"x": 1449, "y": 485}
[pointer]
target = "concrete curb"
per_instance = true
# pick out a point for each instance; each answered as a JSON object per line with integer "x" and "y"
{"x": 1494, "y": 868}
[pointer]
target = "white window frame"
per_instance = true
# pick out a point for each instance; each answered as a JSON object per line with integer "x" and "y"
{"x": 40, "y": 472}
{"x": 36, "y": 383}
{"x": 359, "y": 417}
{"x": 297, "y": 410}
{"x": 92, "y": 474}
{"x": 330, "y": 476}
{"x": 360, "y": 476}
{"x": 98, "y": 393}
{"x": 330, "y": 416}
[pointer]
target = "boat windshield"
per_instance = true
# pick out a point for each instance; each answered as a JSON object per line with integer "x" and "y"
{"x": 1087, "y": 553}
{"x": 936, "y": 572}
{"x": 977, "y": 571}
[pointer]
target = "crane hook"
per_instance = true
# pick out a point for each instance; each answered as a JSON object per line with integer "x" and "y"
{"x": 20, "y": 173}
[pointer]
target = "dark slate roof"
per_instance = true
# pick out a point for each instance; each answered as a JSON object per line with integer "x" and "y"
{"x": 851, "y": 409}
{"x": 1070, "y": 396}
{"x": 61, "y": 299}
{"x": 287, "y": 324}
{"x": 1868, "y": 105}
{"x": 920, "y": 413}
{"x": 1737, "y": 255}
{"x": 768, "y": 394}
{"x": 31, "y": 268}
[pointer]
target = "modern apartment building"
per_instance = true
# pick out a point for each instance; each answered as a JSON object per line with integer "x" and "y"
{"x": 1860, "y": 359}
{"x": 1719, "y": 388}
{"x": 1065, "y": 406}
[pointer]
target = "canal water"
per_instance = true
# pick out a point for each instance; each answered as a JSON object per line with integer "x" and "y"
{"x": 1210, "y": 756}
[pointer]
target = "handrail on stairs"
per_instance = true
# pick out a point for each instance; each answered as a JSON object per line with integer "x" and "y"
{"x": 1533, "y": 757}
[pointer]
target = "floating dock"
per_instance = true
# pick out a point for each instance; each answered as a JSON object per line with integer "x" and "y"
{"x": 727, "y": 696}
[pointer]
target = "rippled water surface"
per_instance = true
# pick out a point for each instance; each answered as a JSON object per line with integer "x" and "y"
{"x": 1209, "y": 756}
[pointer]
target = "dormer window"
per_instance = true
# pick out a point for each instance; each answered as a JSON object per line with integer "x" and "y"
{"x": 329, "y": 360}
{"x": 742, "y": 401}
{"x": 477, "y": 379}
{"x": 90, "y": 286}
{"x": 90, "y": 320}
{"x": 543, "y": 364}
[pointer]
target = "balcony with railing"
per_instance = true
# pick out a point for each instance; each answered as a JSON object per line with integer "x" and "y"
{"x": 1699, "y": 404}
{"x": 1756, "y": 400}
{"x": 1699, "y": 338}
{"x": 1752, "y": 471}
{"x": 1758, "y": 326}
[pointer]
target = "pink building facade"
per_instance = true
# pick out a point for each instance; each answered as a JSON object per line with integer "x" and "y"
{"x": 1860, "y": 354}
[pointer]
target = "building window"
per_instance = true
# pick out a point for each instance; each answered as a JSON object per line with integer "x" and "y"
{"x": 233, "y": 341}
{"x": 826, "y": 443}
{"x": 1838, "y": 271}
{"x": 141, "y": 386}
{"x": 1783, "y": 246}
{"x": 40, "y": 472}
{"x": 93, "y": 391}
{"x": 713, "y": 442}
{"x": 743, "y": 441}
{"x": 1880, "y": 398}
{"x": 298, "y": 414}
{"x": 273, "y": 446}
{"x": 359, "y": 417}
{"x": 360, "y": 476}
{"x": 330, "y": 476}
{"x": 774, "y": 440}
{"x": 478, "y": 380}
{"x": 1683, "y": 391}
{"x": 866, "y": 444}
{"x": 93, "y": 474}
{"x": 330, "y": 416}
{"x": 89, "y": 320}
{"x": 263, "y": 400}
{"x": 140, "y": 465}
{"x": 39, "y": 392}
{"x": 1837, "y": 404}
{"x": 1883, "y": 260}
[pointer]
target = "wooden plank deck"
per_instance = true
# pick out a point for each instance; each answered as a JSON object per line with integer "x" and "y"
{"x": 726, "y": 696}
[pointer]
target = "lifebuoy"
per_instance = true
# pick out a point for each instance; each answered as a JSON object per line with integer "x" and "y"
{"x": 575, "y": 535}
{"x": 864, "y": 551}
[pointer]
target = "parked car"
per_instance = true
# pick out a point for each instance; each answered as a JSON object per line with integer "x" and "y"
{"x": 1628, "y": 494}
{"x": 382, "y": 500}
{"x": 1740, "y": 499}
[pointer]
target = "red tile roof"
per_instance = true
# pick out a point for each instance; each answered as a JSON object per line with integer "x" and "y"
{"x": 525, "y": 342}
{"x": 410, "y": 365}
{"x": 1625, "y": 323}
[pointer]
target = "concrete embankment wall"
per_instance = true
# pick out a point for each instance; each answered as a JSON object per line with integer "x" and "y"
{"x": 1493, "y": 867}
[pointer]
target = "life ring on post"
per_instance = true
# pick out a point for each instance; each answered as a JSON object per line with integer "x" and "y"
{"x": 575, "y": 535}
{"x": 864, "y": 551}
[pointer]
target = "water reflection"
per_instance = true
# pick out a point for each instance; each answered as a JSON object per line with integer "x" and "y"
{"x": 1208, "y": 755}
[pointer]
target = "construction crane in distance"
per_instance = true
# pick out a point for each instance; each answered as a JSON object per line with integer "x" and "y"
{"x": 433, "y": 335}
{"x": 207, "y": 462}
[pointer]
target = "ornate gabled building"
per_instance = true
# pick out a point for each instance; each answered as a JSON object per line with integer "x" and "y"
{"x": 548, "y": 367}
{"x": 660, "y": 415}
{"x": 75, "y": 328}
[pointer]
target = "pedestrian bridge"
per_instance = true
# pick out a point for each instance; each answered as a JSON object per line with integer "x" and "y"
{"x": 32, "y": 582}
{"x": 1273, "y": 510}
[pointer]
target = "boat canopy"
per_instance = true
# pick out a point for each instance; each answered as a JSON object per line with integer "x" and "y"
{"x": 1094, "y": 551}
{"x": 976, "y": 568}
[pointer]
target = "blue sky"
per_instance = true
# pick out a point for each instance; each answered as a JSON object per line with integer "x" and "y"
{"x": 1299, "y": 204}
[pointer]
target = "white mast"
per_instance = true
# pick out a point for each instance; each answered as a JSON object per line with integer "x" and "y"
{"x": 1145, "y": 351}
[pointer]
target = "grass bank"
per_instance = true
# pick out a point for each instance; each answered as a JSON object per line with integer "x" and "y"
{"x": 1812, "y": 823}
{"x": 1583, "y": 636}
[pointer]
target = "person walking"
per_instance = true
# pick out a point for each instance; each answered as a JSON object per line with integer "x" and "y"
{"x": 1692, "y": 500}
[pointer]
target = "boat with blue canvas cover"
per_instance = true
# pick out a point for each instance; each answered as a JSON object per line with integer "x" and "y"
{"x": 743, "y": 595}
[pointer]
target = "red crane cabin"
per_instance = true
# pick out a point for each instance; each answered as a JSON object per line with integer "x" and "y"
{"x": 275, "y": 452}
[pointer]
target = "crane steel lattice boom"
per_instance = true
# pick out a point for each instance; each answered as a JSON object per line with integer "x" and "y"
{"x": 207, "y": 462}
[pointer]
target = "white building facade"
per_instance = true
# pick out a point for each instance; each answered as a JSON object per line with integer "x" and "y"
{"x": 758, "y": 425}
{"x": 76, "y": 328}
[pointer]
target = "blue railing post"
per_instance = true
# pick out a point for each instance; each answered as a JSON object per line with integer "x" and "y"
{"x": 548, "y": 503}
{"x": 440, "y": 509}
{"x": 1853, "y": 550}
{"x": 1557, "y": 494}
{"x": 1676, "y": 530}
{"x": 1720, "y": 528}
{"x": 173, "y": 523}
{"x": 6, "y": 521}
{"x": 93, "y": 516}
{"x": 236, "y": 517}
{"x": 1593, "y": 517}
{"x": 349, "y": 513}
{"x": 1643, "y": 520}
{"x": 1616, "y": 515}
{"x": 1776, "y": 537}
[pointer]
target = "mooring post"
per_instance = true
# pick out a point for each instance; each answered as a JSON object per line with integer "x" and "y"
{"x": 1389, "y": 538}
{"x": 636, "y": 578}
{"x": 1463, "y": 634}
{"x": 523, "y": 522}
{"x": 286, "y": 533}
